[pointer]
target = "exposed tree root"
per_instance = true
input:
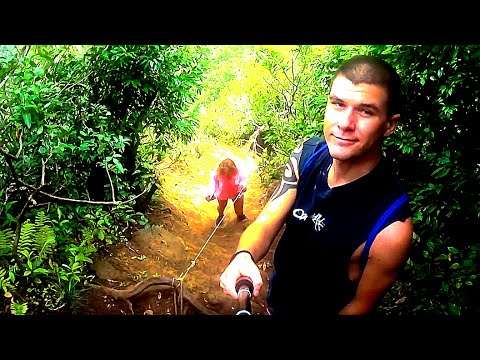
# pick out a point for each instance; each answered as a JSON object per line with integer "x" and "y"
{"x": 156, "y": 283}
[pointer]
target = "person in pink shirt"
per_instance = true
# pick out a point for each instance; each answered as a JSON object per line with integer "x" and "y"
{"x": 228, "y": 182}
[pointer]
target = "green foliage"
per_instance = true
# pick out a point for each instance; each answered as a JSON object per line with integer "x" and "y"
{"x": 17, "y": 308}
{"x": 76, "y": 141}
{"x": 435, "y": 151}
{"x": 84, "y": 128}
{"x": 6, "y": 283}
{"x": 46, "y": 285}
{"x": 38, "y": 237}
{"x": 224, "y": 104}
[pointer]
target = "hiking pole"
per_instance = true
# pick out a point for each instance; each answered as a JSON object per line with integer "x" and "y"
{"x": 244, "y": 288}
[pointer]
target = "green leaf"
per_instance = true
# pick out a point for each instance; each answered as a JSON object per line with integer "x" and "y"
{"x": 454, "y": 309}
{"x": 440, "y": 172}
{"x": 81, "y": 257}
{"x": 120, "y": 168}
{"x": 40, "y": 271}
{"x": 38, "y": 71}
{"x": 452, "y": 250}
{"x": 27, "y": 118}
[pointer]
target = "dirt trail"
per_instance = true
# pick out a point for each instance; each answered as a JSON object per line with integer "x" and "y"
{"x": 181, "y": 241}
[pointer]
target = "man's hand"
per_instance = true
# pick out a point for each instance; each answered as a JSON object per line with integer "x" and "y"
{"x": 241, "y": 265}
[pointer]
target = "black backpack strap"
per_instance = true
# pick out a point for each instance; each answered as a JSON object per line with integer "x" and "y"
{"x": 311, "y": 149}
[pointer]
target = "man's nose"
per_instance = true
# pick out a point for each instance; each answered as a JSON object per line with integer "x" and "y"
{"x": 346, "y": 119}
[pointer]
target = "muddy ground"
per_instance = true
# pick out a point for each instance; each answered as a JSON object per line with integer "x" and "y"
{"x": 180, "y": 243}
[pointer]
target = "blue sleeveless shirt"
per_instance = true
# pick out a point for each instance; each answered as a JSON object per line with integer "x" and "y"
{"x": 323, "y": 230}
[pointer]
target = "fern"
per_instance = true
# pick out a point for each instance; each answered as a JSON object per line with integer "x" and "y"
{"x": 26, "y": 241}
{"x": 46, "y": 284}
{"x": 6, "y": 242}
{"x": 5, "y": 283}
{"x": 36, "y": 244}
{"x": 37, "y": 237}
{"x": 18, "y": 308}
{"x": 46, "y": 242}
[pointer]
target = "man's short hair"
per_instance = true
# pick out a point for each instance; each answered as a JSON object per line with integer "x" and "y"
{"x": 372, "y": 70}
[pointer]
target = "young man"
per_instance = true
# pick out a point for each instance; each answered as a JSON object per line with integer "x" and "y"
{"x": 348, "y": 226}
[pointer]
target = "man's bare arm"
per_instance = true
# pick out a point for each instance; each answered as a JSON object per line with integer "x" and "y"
{"x": 258, "y": 236}
{"x": 388, "y": 255}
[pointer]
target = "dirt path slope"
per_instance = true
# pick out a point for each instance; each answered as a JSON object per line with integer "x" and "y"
{"x": 182, "y": 242}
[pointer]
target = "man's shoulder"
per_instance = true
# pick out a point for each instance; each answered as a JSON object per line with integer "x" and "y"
{"x": 311, "y": 147}
{"x": 313, "y": 141}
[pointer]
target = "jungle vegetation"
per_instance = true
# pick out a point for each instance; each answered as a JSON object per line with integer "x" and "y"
{"x": 83, "y": 129}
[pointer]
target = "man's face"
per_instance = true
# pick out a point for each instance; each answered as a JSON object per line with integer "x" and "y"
{"x": 356, "y": 119}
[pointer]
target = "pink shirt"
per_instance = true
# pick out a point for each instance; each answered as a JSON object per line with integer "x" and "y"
{"x": 224, "y": 188}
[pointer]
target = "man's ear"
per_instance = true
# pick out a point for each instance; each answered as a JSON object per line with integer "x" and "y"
{"x": 391, "y": 124}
